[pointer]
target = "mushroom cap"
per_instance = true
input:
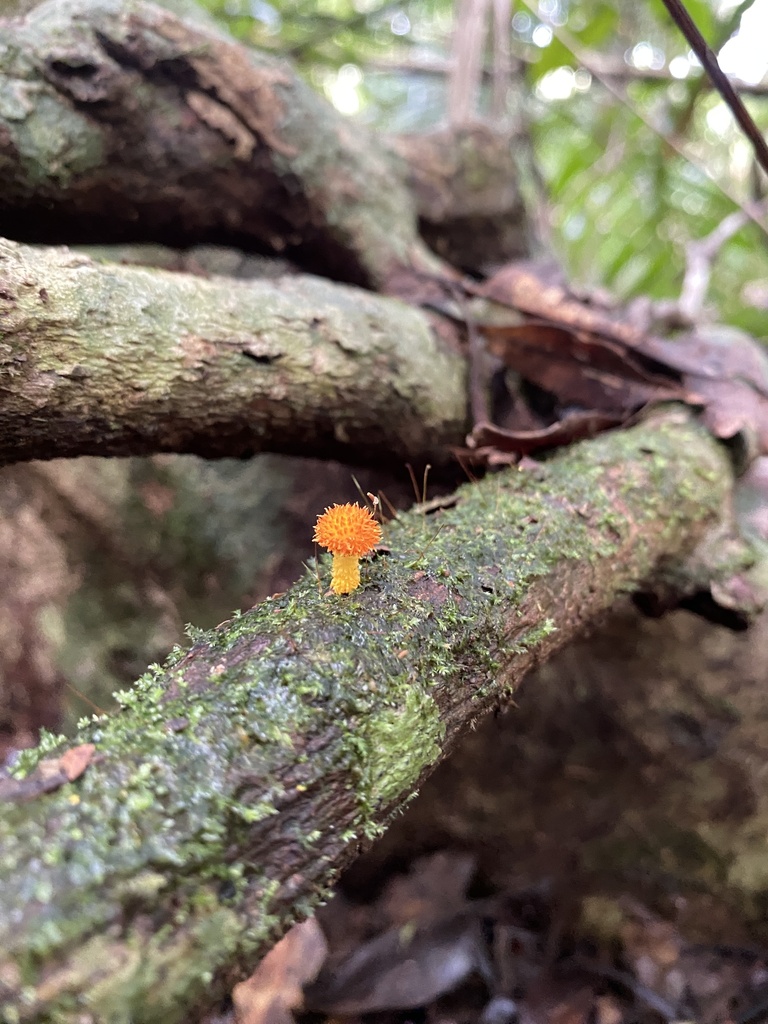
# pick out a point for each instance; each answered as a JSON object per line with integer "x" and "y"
{"x": 347, "y": 530}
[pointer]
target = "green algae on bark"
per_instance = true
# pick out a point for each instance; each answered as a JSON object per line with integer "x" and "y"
{"x": 102, "y": 359}
{"x": 121, "y": 122}
{"x": 242, "y": 775}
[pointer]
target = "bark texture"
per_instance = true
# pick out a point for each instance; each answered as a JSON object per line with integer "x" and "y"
{"x": 120, "y": 122}
{"x": 103, "y": 561}
{"x": 241, "y": 776}
{"x": 117, "y": 360}
{"x": 466, "y": 182}
{"x": 632, "y": 766}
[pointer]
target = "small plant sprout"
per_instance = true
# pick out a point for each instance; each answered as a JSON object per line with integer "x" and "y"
{"x": 348, "y": 532}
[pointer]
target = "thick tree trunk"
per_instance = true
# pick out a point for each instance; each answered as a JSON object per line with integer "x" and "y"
{"x": 240, "y": 777}
{"x": 115, "y": 360}
{"x": 119, "y": 122}
{"x": 103, "y": 561}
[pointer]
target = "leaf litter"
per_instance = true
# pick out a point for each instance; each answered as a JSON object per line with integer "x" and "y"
{"x": 424, "y": 951}
{"x": 566, "y": 369}
{"x": 559, "y": 369}
{"x": 275, "y": 987}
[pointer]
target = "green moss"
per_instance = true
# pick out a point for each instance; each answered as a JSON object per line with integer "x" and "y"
{"x": 174, "y": 966}
{"x": 347, "y": 690}
{"x": 398, "y": 744}
{"x": 533, "y": 637}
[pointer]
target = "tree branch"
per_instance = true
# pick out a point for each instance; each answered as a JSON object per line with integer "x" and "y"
{"x": 243, "y": 775}
{"x": 119, "y": 122}
{"x": 700, "y": 256}
{"x": 116, "y": 360}
{"x": 603, "y": 64}
{"x": 682, "y": 18}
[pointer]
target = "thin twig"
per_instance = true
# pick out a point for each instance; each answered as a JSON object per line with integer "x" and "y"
{"x": 720, "y": 80}
{"x": 699, "y": 258}
{"x": 479, "y": 377}
{"x": 581, "y": 55}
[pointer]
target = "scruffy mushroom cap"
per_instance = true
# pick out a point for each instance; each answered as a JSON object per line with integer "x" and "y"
{"x": 347, "y": 530}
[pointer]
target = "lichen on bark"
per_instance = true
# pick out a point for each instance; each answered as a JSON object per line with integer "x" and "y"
{"x": 111, "y": 359}
{"x": 244, "y": 773}
{"x": 240, "y": 150}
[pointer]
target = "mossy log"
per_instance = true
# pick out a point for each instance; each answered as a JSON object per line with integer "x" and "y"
{"x": 241, "y": 776}
{"x": 120, "y": 122}
{"x": 630, "y": 773}
{"x": 103, "y": 561}
{"x": 102, "y": 359}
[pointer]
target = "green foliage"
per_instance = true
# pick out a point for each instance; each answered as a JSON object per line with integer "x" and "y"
{"x": 634, "y": 168}
{"x": 626, "y": 202}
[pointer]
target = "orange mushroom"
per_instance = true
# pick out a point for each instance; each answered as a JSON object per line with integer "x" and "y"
{"x": 349, "y": 532}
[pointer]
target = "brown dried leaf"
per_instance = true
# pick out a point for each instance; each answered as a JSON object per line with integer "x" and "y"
{"x": 589, "y": 358}
{"x": 575, "y": 427}
{"x": 274, "y": 988}
{"x": 435, "y": 886}
{"x": 519, "y": 286}
{"x": 50, "y": 774}
{"x": 404, "y": 967}
{"x": 730, "y": 373}
{"x": 74, "y": 762}
{"x": 579, "y": 369}
{"x": 428, "y": 940}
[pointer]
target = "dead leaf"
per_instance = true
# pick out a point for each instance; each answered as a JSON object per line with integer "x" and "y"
{"x": 587, "y": 358}
{"x": 49, "y": 775}
{"x": 730, "y": 372}
{"x": 434, "y": 886}
{"x": 579, "y": 369}
{"x": 576, "y": 427}
{"x": 74, "y": 762}
{"x": 429, "y": 939}
{"x": 594, "y": 368}
{"x": 274, "y": 988}
{"x": 405, "y": 967}
{"x": 520, "y": 286}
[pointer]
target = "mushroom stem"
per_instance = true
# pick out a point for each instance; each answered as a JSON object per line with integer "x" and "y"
{"x": 345, "y": 573}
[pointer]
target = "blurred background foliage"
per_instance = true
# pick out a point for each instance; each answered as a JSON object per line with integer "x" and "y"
{"x": 636, "y": 156}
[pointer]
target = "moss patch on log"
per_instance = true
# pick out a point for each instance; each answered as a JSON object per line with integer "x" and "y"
{"x": 246, "y": 770}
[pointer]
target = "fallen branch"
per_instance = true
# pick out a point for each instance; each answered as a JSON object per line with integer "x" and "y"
{"x": 221, "y": 802}
{"x": 119, "y": 360}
